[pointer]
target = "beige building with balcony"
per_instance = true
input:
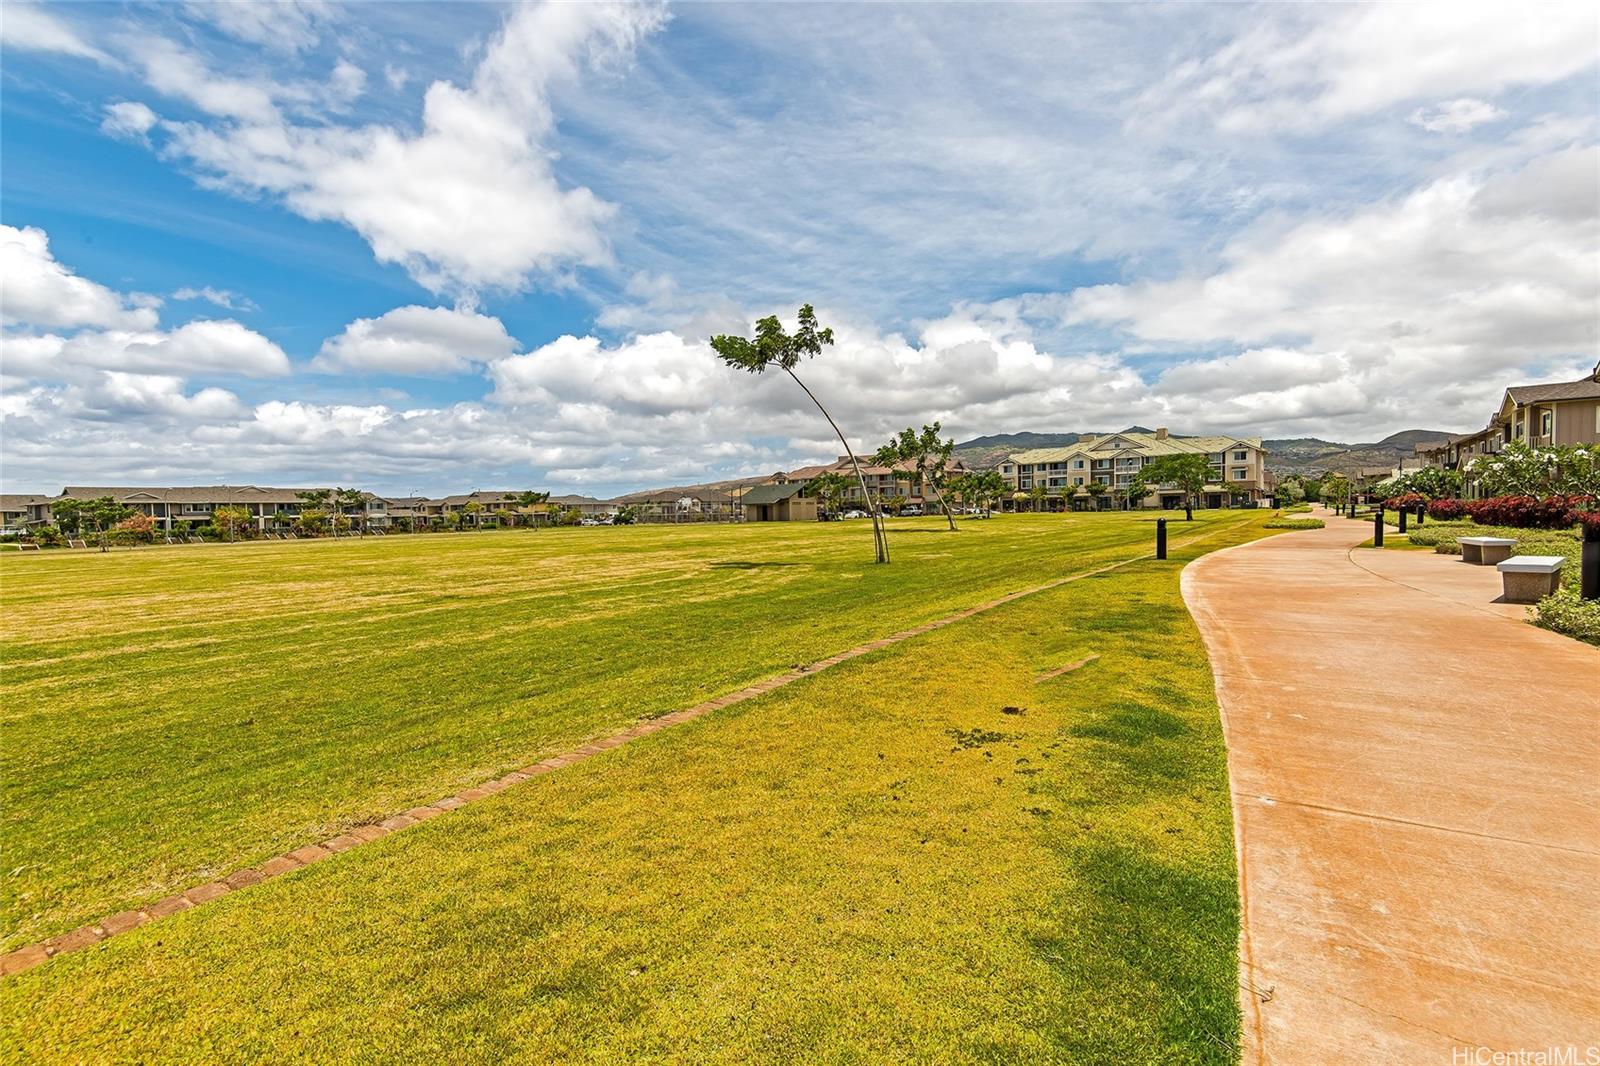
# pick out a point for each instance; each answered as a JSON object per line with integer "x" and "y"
{"x": 1238, "y": 471}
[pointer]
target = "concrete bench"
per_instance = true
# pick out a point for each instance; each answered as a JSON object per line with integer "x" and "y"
{"x": 1530, "y": 578}
{"x": 1485, "y": 550}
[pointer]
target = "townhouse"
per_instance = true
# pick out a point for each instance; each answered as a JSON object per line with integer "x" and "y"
{"x": 900, "y": 481}
{"x": 17, "y": 508}
{"x": 1238, "y": 471}
{"x": 682, "y": 505}
{"x": 1560, "y": 413}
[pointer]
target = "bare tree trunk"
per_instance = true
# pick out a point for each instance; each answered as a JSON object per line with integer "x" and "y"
{"x": 880, "y": 539}
{"x": 945, "y": 507}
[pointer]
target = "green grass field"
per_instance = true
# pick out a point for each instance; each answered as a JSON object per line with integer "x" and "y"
{"x": 875, "y": 862}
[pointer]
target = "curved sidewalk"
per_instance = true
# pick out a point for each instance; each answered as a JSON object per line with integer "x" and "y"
{"x": 1416, "y": 791}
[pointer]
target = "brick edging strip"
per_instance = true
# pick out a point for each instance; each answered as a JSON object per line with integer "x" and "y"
{"x": 25, "y": 958}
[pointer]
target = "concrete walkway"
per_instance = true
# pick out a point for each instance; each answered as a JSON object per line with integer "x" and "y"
{"x": 1416, "y": 790}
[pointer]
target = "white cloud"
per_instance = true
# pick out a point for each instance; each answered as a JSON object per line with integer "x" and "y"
{"x": 1313, "y": 66}
{"x": 129, "y": 120}
{"x": 470, "y": 201}
{"x": 38, "y": 291}
{"x": 223, "y": 298}
{"x": 29, "y": 27}
{"x": 1456, "y": 116}
{"x": 417, "y": 340}
{"x": 282, "y": 25}
{"x": 1412, "y": 311}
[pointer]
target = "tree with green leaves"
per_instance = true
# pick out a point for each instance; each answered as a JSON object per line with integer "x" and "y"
{"x": 99, "y": 515}
{"x": 980, "y": 488}
{"x": 927, "y": 454}
{"x": 528, "y": 499}
{"x": 321, "y": 501}
{"x": 1188, "y": 472}
{"x": 1096, "y": 489}
{"x": 1037, "y": 496}
{"x": 829, "y": 488}
{"x": 229, "y": 519}
{"x": 474, "y": 512}
{"x": 68, "y": 514}
{"x": 773, "y": 347}
{"x": 353, "y": 499}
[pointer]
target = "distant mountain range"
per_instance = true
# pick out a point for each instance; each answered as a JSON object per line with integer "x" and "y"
{"x": 1292, "y": 455}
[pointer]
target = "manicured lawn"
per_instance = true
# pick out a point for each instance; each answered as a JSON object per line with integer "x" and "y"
{"x": 879, "y": 862}
{"x": 172, "y": 714}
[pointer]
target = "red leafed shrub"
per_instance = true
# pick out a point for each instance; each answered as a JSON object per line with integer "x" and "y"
{"x": 1529, "y": 512}
{"x": 1446, "y": 509}
{"x": 1410, "y": 501}
{"x": 1590, "y": 521}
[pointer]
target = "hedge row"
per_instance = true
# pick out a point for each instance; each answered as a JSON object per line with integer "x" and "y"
{"x": 1520, "y": 512}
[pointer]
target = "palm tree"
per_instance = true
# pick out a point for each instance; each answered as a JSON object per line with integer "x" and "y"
{"x": 355, "y": 498}
{"x": 773, "y": 347}
{"x": 528, "y": 499}
{"x": 1036, "y": 495}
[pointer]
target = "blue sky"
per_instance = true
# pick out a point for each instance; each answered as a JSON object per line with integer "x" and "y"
{"x": 445, "y": 246}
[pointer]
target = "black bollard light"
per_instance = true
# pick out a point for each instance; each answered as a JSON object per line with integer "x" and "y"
{"x": 1377, "y": 527}
{"x": 1404, "y": 511}
{"x": 1161, "y": 538}
{"x": 1422, "y": 512}
{"x": 1589, "y": 562}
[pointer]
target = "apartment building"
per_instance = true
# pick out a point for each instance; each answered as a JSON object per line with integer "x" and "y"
{"x": 1238, "y": 471}
{"x": 883, "y": 482}
{"x": 683, "y": 505}
{"x": 17, "y": 508}
{"x": 1560, "y": 413}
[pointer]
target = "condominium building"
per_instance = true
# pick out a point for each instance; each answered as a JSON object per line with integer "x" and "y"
{"x": 1238, "y": 471}
{"x": 898, "y": 482}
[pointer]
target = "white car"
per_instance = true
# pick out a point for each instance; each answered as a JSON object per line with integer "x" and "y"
{"x": 854, "y": 514}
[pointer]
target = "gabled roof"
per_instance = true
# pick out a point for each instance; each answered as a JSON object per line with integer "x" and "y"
{"x": 1584, "y": 389}
{"x": 16, "y": 501}
{"x": 772, "y": 493}
{"x": 197, "y": 494}
{"x": 1117, "y": 444}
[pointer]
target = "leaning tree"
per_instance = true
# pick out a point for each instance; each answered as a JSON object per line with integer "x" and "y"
{"x": 772, "y": 347}
{"x": 925, "y": 453}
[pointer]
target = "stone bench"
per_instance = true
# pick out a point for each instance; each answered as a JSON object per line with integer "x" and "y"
{"x": 1530, "y": 578}
{"x": 1485, "y": 550}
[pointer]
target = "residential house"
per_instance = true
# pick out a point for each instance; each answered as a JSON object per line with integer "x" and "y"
{"x": 172, "y": 507}
{"x": 1560, "y": 413}
{"x": 1238, "y": 470}
{"x": 900, "y": 481}
{"x": 682, "y": 505}
{"x": 17, "y": 508}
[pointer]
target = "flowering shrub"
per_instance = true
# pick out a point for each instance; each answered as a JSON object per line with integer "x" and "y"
{"x": 135, "y": 529}
{"x": 1447, "y": 509}
{"x": 1408, "y": 501}
{"x": 1530, "y": 512}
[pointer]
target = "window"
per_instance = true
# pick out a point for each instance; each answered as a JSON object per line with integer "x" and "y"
{"x": 1546, "y": 423}
{"x": 1077, "y": 481}
{"x": 1240, "y": 457}
{"x": 1240, "y": 473}
{"x": 1077, "y": 464}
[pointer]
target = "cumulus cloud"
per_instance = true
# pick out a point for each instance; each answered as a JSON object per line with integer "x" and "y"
{"x": 1456, "y": 116}
{"x": 1426, "y": 304}
{"x": 1324, "y": 64}
{"x": 470, "y": 200}
{"x": 38, "y": 291}
{"x": 416, "y": 340}
{"x": 129, "y": 120}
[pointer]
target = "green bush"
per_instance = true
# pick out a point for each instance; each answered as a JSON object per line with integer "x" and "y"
{"x": 1565, "y": 613}
{"x": 1295, "y": 523}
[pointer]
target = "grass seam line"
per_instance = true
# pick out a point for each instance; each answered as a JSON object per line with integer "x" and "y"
{"x": 31, "y": 955}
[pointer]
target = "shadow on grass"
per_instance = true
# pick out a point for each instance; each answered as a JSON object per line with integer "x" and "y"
{"x": 746, "y": 564}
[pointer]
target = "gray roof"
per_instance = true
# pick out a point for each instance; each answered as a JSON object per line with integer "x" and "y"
{"x": 771, "y": 493}
{"x": 1584, "y": 389}
{"x": 17, "y": 501}
{"x": 199, "y": 494}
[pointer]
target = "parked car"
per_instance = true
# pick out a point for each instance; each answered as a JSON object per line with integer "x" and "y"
{"x": 911, "y": 512}
{"x": 854, "y": 513}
